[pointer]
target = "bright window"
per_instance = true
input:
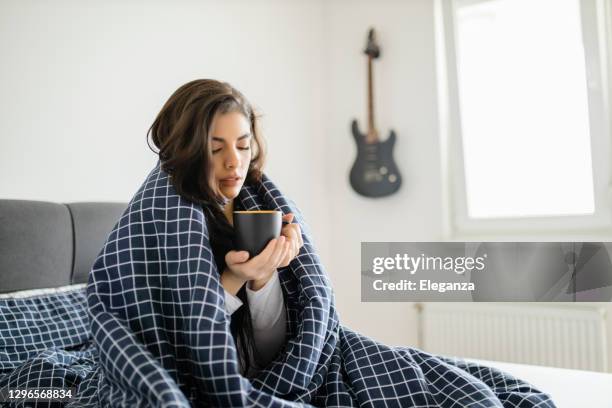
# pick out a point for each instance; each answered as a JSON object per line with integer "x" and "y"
{"x": 526, "y": 107}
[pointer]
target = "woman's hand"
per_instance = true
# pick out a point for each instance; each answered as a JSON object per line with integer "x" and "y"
{"x": 293, "y": 233}
{"x": 259, "y": 269}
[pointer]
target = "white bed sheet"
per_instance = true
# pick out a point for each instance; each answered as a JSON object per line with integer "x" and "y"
{"x": 568, "y": 388}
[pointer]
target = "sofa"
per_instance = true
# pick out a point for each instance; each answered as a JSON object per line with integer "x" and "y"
{"x": 45, "y": 244}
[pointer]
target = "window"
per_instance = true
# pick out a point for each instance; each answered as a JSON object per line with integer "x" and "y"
{"x": 524, "y": 114}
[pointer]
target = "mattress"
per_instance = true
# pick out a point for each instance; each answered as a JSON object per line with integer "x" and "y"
{"x": 568, "y": 388}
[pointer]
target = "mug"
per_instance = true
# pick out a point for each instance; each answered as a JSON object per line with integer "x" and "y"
{"x": 254, "y": 229}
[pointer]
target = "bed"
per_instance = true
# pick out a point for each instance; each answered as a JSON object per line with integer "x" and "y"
{"x": 45, "y": 246}
{"x": 568, "y": 388}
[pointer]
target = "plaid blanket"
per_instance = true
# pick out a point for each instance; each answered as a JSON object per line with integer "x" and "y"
{"x": 45, "y": 342}
{"x": 162, "y": 336}
{"x": 159, "y": 320}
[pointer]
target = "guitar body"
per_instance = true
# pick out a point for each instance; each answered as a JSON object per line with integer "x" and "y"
{"x": 374, "y": 173}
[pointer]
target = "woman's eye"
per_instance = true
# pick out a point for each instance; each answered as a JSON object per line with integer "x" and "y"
{"x": 217, "y": 150}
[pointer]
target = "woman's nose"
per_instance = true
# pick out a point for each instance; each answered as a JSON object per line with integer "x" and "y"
{"x": 232, "y": 160}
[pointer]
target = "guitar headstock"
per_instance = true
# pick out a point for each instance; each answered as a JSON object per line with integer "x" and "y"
{"x": 372, "y": 50}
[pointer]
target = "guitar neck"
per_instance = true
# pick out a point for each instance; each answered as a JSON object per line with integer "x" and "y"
{"x": 372, "y": 135}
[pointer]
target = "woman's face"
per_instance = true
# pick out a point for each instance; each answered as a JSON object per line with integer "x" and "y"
{"x": 230, "y": 145}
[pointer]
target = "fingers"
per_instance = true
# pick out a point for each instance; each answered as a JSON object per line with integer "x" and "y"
{"x": 293, "y": 232}
{"x": 295, "y": 242}
{"x": 235, "y": 257}
{"x": 265, "y": 255}
{"x": 280, "y": 253}
{"x": 288, "y": 255}
{"x": 290, "y": 232}
{"x": 291, "y": 252}
{"x": 299, "y": 234}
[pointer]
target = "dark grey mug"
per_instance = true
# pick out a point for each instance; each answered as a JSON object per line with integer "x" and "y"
{"x": 254, "y": 229}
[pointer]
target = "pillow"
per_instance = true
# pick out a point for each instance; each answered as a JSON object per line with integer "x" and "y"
{"x": 37, "y": 292}
{"x": 32, "y": 321}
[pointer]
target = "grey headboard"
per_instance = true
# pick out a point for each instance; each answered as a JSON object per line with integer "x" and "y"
{"x": 44, "y": 244}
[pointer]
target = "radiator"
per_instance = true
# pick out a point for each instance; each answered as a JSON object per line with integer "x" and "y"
{"x": 557, "y": 336}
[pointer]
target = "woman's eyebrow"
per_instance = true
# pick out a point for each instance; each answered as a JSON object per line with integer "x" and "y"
{"x": 218, "y": 139}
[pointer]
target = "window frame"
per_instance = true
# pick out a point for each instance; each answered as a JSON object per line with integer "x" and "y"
{"x": 596, "y": 20}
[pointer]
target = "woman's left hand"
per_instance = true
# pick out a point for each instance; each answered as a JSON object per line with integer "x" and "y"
{"x": 293, "y": 233}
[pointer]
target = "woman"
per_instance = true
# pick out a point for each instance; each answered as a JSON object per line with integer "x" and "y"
{"x": 209, "y": 163}
{"x": 179, "y": 317}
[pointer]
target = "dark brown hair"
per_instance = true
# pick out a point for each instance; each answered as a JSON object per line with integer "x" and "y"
{"x": 181, "y": 134}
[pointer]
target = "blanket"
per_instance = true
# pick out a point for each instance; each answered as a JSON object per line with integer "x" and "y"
{"x": 45, "y": 342}
{"x": 163, "y": 336}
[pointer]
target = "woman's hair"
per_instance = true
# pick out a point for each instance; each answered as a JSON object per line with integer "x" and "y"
{"x": 181, "y": 134}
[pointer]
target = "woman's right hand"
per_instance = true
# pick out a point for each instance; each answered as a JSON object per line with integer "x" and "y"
{"x": 260, "y": 268}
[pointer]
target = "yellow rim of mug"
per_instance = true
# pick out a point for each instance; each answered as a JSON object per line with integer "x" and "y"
{"x": 256, "y": 211}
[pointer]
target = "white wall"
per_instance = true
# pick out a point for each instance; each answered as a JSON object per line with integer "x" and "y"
{"x": 82, "y": 81}
{"x": 405, "y": 100}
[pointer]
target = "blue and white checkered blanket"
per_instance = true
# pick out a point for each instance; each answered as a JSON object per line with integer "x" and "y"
{"x": 163, "y": 338}
{"x": 45, "y": 342}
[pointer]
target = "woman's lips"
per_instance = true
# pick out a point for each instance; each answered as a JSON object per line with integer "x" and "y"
{"x": 230, "y": 182}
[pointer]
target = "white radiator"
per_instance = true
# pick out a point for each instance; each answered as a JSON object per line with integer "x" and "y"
{"x": 557, "y": 336}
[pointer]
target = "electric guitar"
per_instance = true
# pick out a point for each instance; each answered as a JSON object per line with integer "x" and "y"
{"x": 374, "y": 173}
